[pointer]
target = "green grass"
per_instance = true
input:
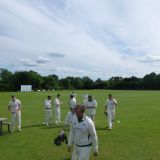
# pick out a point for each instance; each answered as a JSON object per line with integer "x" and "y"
{"x": 136, "y": 137}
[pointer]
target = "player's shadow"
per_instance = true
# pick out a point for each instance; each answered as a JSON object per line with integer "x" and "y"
{"x": 52, "y": 126}
{"x": 33, "y": 125}
{"x": 101, "y": 128}
{"x": 43, "y": 126}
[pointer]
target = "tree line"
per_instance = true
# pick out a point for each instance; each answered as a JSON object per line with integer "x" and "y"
{"x": 12, "y": 82}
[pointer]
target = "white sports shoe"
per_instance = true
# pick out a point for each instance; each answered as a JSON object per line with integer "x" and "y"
{"x": 19, "y": 130}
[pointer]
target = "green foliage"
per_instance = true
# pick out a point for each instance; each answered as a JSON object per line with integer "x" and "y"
{"x": 12, "y": 81}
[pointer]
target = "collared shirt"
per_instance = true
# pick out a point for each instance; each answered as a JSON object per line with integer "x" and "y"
{"x": 14, "y": 105}
{"x": 47, "y": 103}
{"x": 72, "y": 102}
{"x": 83, "y": 133}
{"x": 69, "y": 118}
{"x": 57, "y": 102}
{"x": 91, "y": 106}
{"x": 111, "y": 104}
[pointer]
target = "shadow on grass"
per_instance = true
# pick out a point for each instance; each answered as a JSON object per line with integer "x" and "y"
{"x": 42, "y": 126}
{"x": 57, "y": 126}
{"x": 33, "y": 125}
{"x": 5, "y": 133}
{"x": 101, "y": 128}
{"x": 52, "y": 126}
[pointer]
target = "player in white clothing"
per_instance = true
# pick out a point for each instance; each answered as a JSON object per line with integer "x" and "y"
{"x": 72, "y": 101}
{"x": 69, "y": 117}
{"x": 57, "y": 109}
{"x": 14, "y": 107}
{"x": 82, "y": 135}
{"x": 110, "y": 110}
{"x": 85, "y": 98}
{"x": 47, "y": 110}
{"x": 74, "y": 94}
{"x": 91, "y": 105}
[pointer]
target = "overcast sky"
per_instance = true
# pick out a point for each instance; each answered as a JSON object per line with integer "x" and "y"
{"x": 95, "y": 38}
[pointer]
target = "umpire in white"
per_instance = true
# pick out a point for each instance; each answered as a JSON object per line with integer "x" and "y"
{"x": 47, "y": 110}
{"x": 82, "y": 135}
{"x": 14, "y": 107}
{"x": 110, "y": 110}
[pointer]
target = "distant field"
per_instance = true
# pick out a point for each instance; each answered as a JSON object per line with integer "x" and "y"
{"x": 136, "y": 137}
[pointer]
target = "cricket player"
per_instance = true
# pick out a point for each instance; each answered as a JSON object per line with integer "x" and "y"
{"x": 82, "y": 135}
{"x": 74, "y": 94}
{"x": 72, "y": 101}
{"x": 91, "y": 105}
{"x": 47, "y": 110}
{"x": 85, "y": 98}
{"x": 14, "y": 107}
{"x": 69, "y": 117}
{"x": 110, "y": 110}
{"x": 57, "y": 109}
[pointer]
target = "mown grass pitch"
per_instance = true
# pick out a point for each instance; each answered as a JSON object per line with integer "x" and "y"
{"x": 136, "y": 137}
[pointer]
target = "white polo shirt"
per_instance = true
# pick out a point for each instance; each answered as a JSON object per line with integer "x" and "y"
{"x": 57, "y": 103}
{"x": 83, "y": 133}
{"x": 91, "y": 107}
{"x": 47, "y": 103}
{"x": 69, "y": 118}
{"x": 72, "y": 102}
{"x": 14, "y": 105}
{"x": 111, "y": 104}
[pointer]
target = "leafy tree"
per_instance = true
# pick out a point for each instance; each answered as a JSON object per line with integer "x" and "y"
{"x": 77, "y": 83}
{"x": 6, "y": 80}
{"x": 99, "y": 84}
{"x": 27, "y": 78}
{"x": 88, "y": 83}
{"x": 50, "y": 82}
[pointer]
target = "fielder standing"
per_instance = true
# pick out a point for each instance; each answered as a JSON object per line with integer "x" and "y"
{"x": 69, "y": 117}
{"x": 85, "y": 98}
{"x": 14, "y": 107}
{"x": 57, "y": 109}
{"x": 110, "y": 110}
{"x": 91, "y": 105}
{"x": 82, "y": 135}
{"x": 72, "y": 101}
{"x": 47, "y": 110}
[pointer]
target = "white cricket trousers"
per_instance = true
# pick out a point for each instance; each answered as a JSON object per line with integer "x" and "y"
{"x": 57, "y": 113}
{"x": 81, "y": 153}
{"x": 48, "y": 116}
{"x": 14, "y": 116}
{"x": 111, "y": 116}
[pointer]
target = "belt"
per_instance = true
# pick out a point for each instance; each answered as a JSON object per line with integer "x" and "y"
{"x": 87, "y": 145}
{"x": 47, "y": 108}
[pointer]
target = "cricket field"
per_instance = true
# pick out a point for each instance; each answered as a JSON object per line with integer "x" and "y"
{"x": 135, "y": 136}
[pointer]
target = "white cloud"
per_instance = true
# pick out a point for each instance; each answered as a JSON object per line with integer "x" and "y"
{"x": 57, "y": 55}
{"x": 28, "y": 62}
{"x": 150, "y": 59}
{"x": 42, "y": 60}
{"x": 110, "y": 36}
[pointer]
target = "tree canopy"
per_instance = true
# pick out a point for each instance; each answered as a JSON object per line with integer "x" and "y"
{"x": 12, "y": 81}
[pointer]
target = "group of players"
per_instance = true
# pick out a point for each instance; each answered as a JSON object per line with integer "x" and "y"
{"x": 80, "y": 118}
